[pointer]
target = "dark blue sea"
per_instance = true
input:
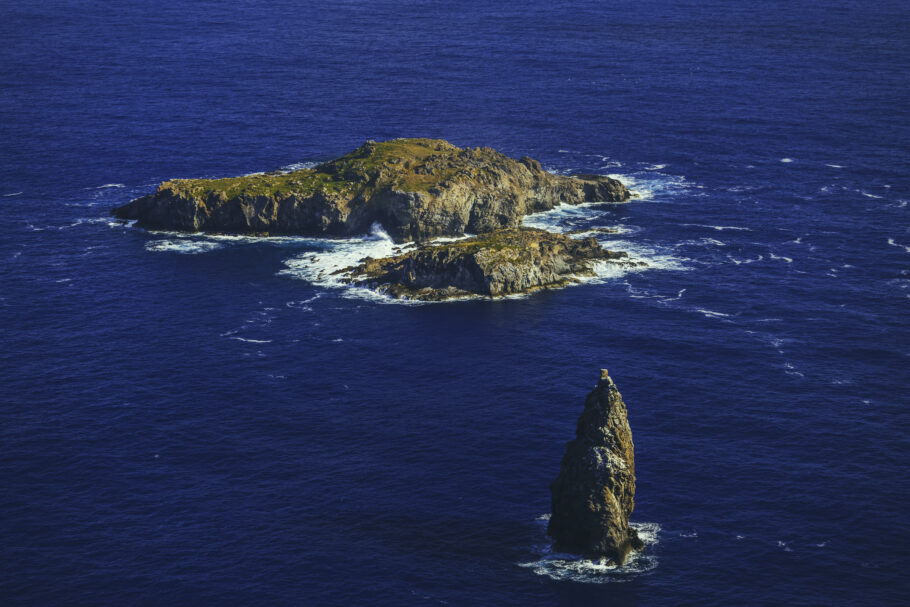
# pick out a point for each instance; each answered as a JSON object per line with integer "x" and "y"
{"x": 191, "y": 420}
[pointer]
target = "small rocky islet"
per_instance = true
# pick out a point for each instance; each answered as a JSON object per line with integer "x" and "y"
{"x": 416, "y": 190}
{"x": 502, "y": 262}
{"x": 594, "y": 493}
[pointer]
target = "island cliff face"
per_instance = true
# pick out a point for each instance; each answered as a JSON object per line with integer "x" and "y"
{"x": 415, "y": 188}
{"x": 593, "y": 495}
{"x": 498, "y": 263}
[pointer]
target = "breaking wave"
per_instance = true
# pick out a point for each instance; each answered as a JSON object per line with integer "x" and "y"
{"x": 322, "y": 267}
{"x": 184, "y": 245}
{"x": 573, "y": 568}
{"x": 653, "y": 186}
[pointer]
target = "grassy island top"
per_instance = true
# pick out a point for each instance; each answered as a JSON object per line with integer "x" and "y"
{"x": 403, "y": 164}
{"x": 518, "y": 245}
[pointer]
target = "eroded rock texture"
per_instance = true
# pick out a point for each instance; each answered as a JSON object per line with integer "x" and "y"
{"x": 415, "y": 188}
{"x": 502, "y": 262}
{"x": 594, "y": 493}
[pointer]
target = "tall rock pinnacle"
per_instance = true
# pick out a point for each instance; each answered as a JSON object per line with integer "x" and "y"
{"x": 593, "y": 495}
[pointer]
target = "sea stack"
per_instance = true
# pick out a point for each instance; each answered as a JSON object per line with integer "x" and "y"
{"x": 594, "y": 493}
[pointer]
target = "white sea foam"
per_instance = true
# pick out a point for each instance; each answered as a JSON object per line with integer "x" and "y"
{"x": 664, "y": 300}
{"x": 252, "y": 341}
{"x": 718, "y": 228}
{"x": 704, "y": 242}
{"x": 897, "y": 244}
{"x": 654, "y": 186}
{"x": 303, "y": 304}
{"x": 565, "y": 217}
{"x": 599, "y": 233}
{"x": 13, "y": 194}
{"x": 272, "y": 240}
{"x": 744, "y": 261}
{"x": 297, "y": 166}
{"x": 655, "y": 167}
{"x": 835, "y": 166}
{"x": 186, "y": 246}
{"x": 655, "y": 257}
{"x": 181, "y": 242}
{"x": 321, "y": 267}
{"x": 573, "y": 568}
{"x": 790, "y": 369}
{"x": 712, "y": 241}
{"x": 110, "y": 185}
{"x": 612, "y": 164}
{"x": 688, "y": 534}
{"x": 868, "y": 195}
{"x": 711, "y": 313}
{"x": 781, "y": 258}
{"x": 786, "y": 160}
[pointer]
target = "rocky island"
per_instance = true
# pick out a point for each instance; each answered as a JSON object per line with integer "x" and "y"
{"x": 594, "y": 493}
{"x": 416, "y": 189}
{"x": 501, "y": 262}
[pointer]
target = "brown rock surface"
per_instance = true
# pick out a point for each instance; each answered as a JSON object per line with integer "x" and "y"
{"x": 415, "y": 188}
{"x": 593, "y": 496}
{"x": 498, "y": 263}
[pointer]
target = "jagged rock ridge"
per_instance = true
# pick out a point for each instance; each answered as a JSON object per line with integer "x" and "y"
{"x": 498, "y": 263}
{"x": 593, "y": 496}
{"x": 415, "y": 188}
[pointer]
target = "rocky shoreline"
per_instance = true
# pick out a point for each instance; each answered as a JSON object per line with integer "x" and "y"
{"x": 416, "y": 190}
{"x": 499, "y": 263}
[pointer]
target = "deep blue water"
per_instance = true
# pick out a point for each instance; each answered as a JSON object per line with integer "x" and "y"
{"x": 192, "y": 421}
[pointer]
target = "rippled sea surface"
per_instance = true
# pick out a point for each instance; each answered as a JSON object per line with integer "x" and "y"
{"x": 198, "y": 420}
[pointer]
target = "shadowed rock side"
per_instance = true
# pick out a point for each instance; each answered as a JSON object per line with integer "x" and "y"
{"x": 498, "y": 263}
{"x": 415, "y": 188}
{"x": 593, "y": 495}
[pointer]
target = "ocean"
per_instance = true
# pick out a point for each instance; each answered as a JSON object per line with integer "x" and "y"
{"x": 193, "y": 420}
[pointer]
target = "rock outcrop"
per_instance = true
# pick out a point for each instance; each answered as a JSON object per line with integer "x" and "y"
{"x": 415, "y": 188}
{"x": 501, "y": 262}
{"x": 593, "y": 495}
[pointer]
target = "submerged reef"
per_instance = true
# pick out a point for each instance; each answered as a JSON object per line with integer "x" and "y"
{"x": 593, "y": 496}
{"x": 416, "y": 189}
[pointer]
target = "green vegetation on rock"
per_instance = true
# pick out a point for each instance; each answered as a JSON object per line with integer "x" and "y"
{"x": 494, "y": 264}
{"x": 415, "y": 188}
